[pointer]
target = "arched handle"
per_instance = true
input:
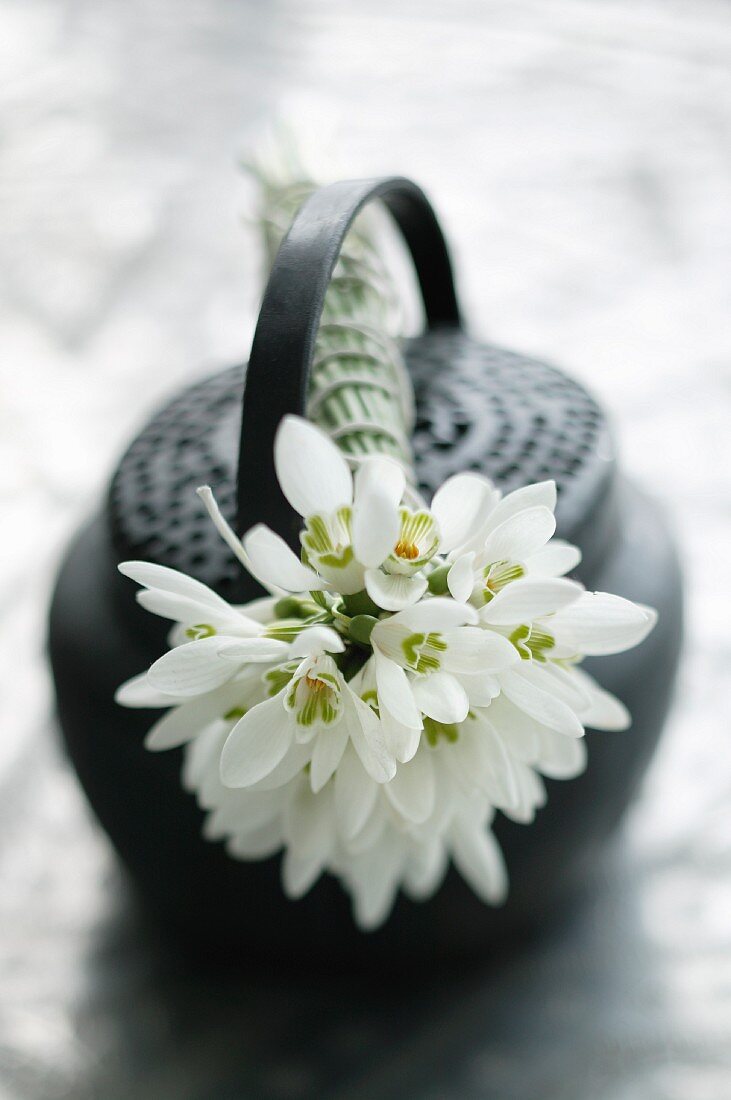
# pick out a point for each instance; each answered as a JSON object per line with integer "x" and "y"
{"x": 281, "y": 353}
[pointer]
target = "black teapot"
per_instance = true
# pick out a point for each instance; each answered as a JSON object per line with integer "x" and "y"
{"x": 479, "y": 407}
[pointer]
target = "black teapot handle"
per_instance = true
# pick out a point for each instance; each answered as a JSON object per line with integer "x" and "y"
{"x": 281, "y": 354}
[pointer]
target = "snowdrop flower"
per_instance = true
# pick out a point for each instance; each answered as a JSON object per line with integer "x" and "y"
{"x": 414, "y": 671}
{"x": 315, "y": 706}
{"x": 358, "y": 533}
{"x": 439, "y": 641}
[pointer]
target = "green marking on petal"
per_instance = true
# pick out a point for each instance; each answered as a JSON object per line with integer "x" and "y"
{"x": 410, "y": 647}
{"x": 326, "y": 539}
{"x": 435, "y": 731}
{"x": 371, "y": 698}
{"x": 316, "y": 536}
{"x": 497, "y": 574}
{"x": 234, "y": 714}
{"x": 422, "y": 651}
{"x": 200, "y": 630}
{"x": 531, "y": 642}
{"x": 285, "y": 630}
{"x": 417, "y": 543}
{"x": 278, "y": 678}
{"x": 314, "y": 697}
{"x": 336, "y": 560}
{"x": 344, "y": 517}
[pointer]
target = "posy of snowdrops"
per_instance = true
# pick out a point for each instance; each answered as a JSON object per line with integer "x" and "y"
{"x": 413, "y": 671}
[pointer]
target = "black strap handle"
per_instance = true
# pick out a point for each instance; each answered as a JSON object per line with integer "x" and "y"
{"x": 281, "y": 354}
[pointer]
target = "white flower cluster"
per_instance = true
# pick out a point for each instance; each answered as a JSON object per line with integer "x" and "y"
{"x": 413, "y": 672}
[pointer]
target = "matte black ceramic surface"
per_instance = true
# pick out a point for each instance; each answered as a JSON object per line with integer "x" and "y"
{"x": 478, "y": 407}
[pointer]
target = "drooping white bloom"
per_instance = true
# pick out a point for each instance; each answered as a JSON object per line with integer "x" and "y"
{"x": 413, "y": 672}
{"x": 438, "y": 639}
{"x": 315, "y": 706}
{"x": 357, "y": 534}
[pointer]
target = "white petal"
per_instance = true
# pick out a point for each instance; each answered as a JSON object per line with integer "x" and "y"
{"x": 539, "y": 704}
{"x": 184, "y": 722}
{"x": 377, "y": 885}
{"x": 299, "y": 874}
{"x": 470, "y": 756}
{"x": 394, "y": 591}
{"x": 470, "y": 650}
{"x": 517, "y": 730}
{"x": 260, "y": 610}
{"x": 201, "y": 757}
{"x": 355, "y": 794}
{"x": 496, "y": 652}
{"x": 316, "y": 640}
{"x": 540, "y": 494}
{"x": 502, "y": 781}
{"x": 461, "y": 577}
{"x": 459, "y": 506}
{"x": 599, "y": 623}
{"x": 448, "y": 797}
{"x": 523, "y": 600}
{"x": 605, "y": 711}
{"x": 139, "y": 692}
{"x": 311, "y": 470}
{"x": 174, "y": 582}
{"x": 273, "y": 562}
{"x": 480, "y": 861}
{"x": 563, "y": 683}
{"x": 368, "y": 737}
{"x": 259, "y": 844}
{"x": 522, "y": 534}
{"x": 562, "y": 757}
{"x": 222, "y": 525}
{"x": 554, "y": 560}
{"x": 402, "y": 741}
{"x": 531, "y": 794}
{"x": 179, "y": 609}
{"x": 371, "y": 833}
{"x": 309, "y": 822}
{"x": 329, "y": 747}
{"x": 379, "y": 486}
{"x": 295, "y": 759}
{"x": 394, "y": 692}
{"x": 411, "y": 791}
{"x": 425, "y": 870}
{"x": 437, "y": 613}
{"x": 256, "y": 744}
{"x": 243, "y": 812}
{"x": 193, "y": 668}
{"x": 257, "y": 650}
{"x": 441, "y": 697}
{"x": 481, "y": 687}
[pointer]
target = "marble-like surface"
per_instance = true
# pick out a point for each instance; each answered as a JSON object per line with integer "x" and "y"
{"x": 580, "y": 153}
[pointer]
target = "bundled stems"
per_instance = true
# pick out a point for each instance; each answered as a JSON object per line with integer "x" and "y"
{"x": 360, "y": 392}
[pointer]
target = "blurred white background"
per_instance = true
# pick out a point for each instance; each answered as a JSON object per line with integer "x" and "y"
{"x": 579, "y": 152}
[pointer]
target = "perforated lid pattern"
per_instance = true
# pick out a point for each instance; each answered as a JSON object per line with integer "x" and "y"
{"x": 493, "y": 411}
{"x": 478, "y": 408}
